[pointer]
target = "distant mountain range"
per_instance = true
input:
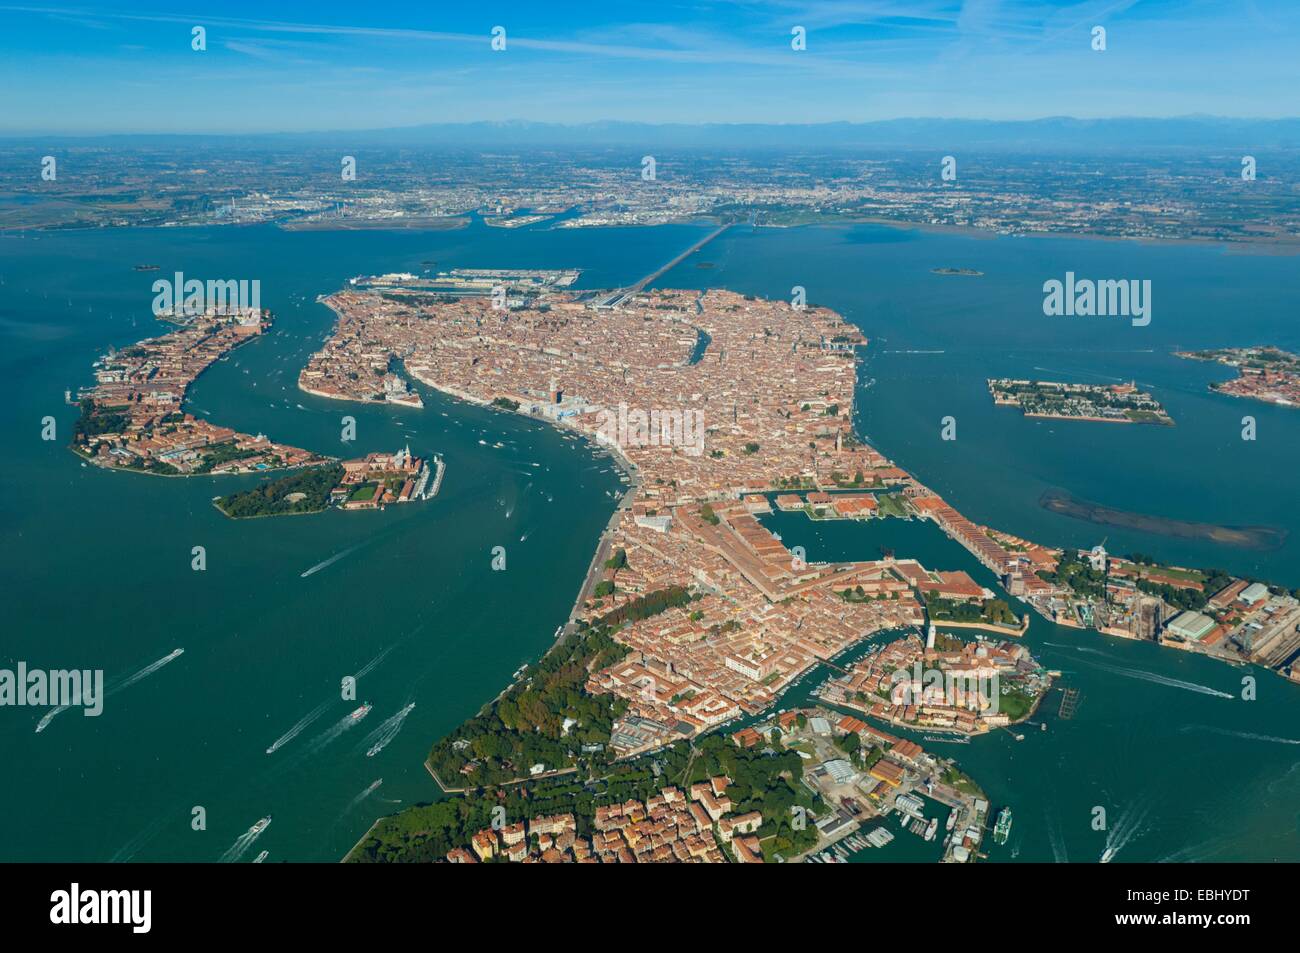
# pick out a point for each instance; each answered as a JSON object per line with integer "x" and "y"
{"x": 1054, "y": 134}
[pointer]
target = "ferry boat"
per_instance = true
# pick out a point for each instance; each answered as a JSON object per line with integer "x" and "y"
{"x": 260, "y": 826}
{"x": 360, "y": 712}
{"x": 1107, "y": 854}
{"x": 1002, "y": 830}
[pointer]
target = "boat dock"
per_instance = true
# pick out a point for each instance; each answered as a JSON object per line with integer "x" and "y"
{"x": 440, "y": 469}
{"x": 1069, "y": 703}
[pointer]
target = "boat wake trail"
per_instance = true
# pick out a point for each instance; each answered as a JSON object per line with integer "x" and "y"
{"x": 1104, "y": 377}
{"x": 328, "y": 562}
{"x": 1248, "y": 735}
{"x": 1057, "y": 841}
{"x": 132, "y": 847}
{"x": 1088, "y": 650}
{"x": 340, "y": 726}
{"x": 1145, "y": 676}
{"x": 145, "y": 672}
{"x": 374, "y": 786}
{"x": 299, "y": 728}
{"x": 244, "y": 841}
{"x": 1129, "y": 826}
{"x": 312, "y": 716}
{"x": 114, "y": 688}
{"x": 1085, "y": 649}
{"x": 357, "y": 801}
{"x": 49, "y": 717}
{"x": 378, "y": 739}
{"x": 1196, "y": 853}
{"x": 371, "y": 665}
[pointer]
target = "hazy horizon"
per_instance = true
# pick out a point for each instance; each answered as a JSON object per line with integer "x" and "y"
{"x": 1072, "y": 134}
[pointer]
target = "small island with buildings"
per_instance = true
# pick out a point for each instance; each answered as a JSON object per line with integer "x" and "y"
{"x": 1269, "y": 374}
{"x": 1113, "y": 403}
{"x": 943, "y": 684}
{"x": 132, "y": 418}
{"x": 369, "y": 482}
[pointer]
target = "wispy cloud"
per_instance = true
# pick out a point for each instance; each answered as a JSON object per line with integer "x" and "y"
{"x": 674, "y": 60}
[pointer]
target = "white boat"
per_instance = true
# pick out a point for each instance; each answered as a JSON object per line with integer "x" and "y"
{"x": 360, "y": 712}
{"x": 260, "y": 826}
{"x": 1107, "y": 854}
{"x": 49, "y": 715}
{"x": 261, "y": 857}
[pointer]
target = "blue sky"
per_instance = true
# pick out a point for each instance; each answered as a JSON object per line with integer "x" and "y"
{"x": 291, "y": 66}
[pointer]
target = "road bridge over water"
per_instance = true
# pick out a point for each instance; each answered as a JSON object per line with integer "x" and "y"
{"x": 615, "y": 298}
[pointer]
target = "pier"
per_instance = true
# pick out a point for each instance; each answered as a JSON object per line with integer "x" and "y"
{"x": 603, "y": 547}
{"x": 1069, "y": 703}
{"x": 437, "y": 479}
